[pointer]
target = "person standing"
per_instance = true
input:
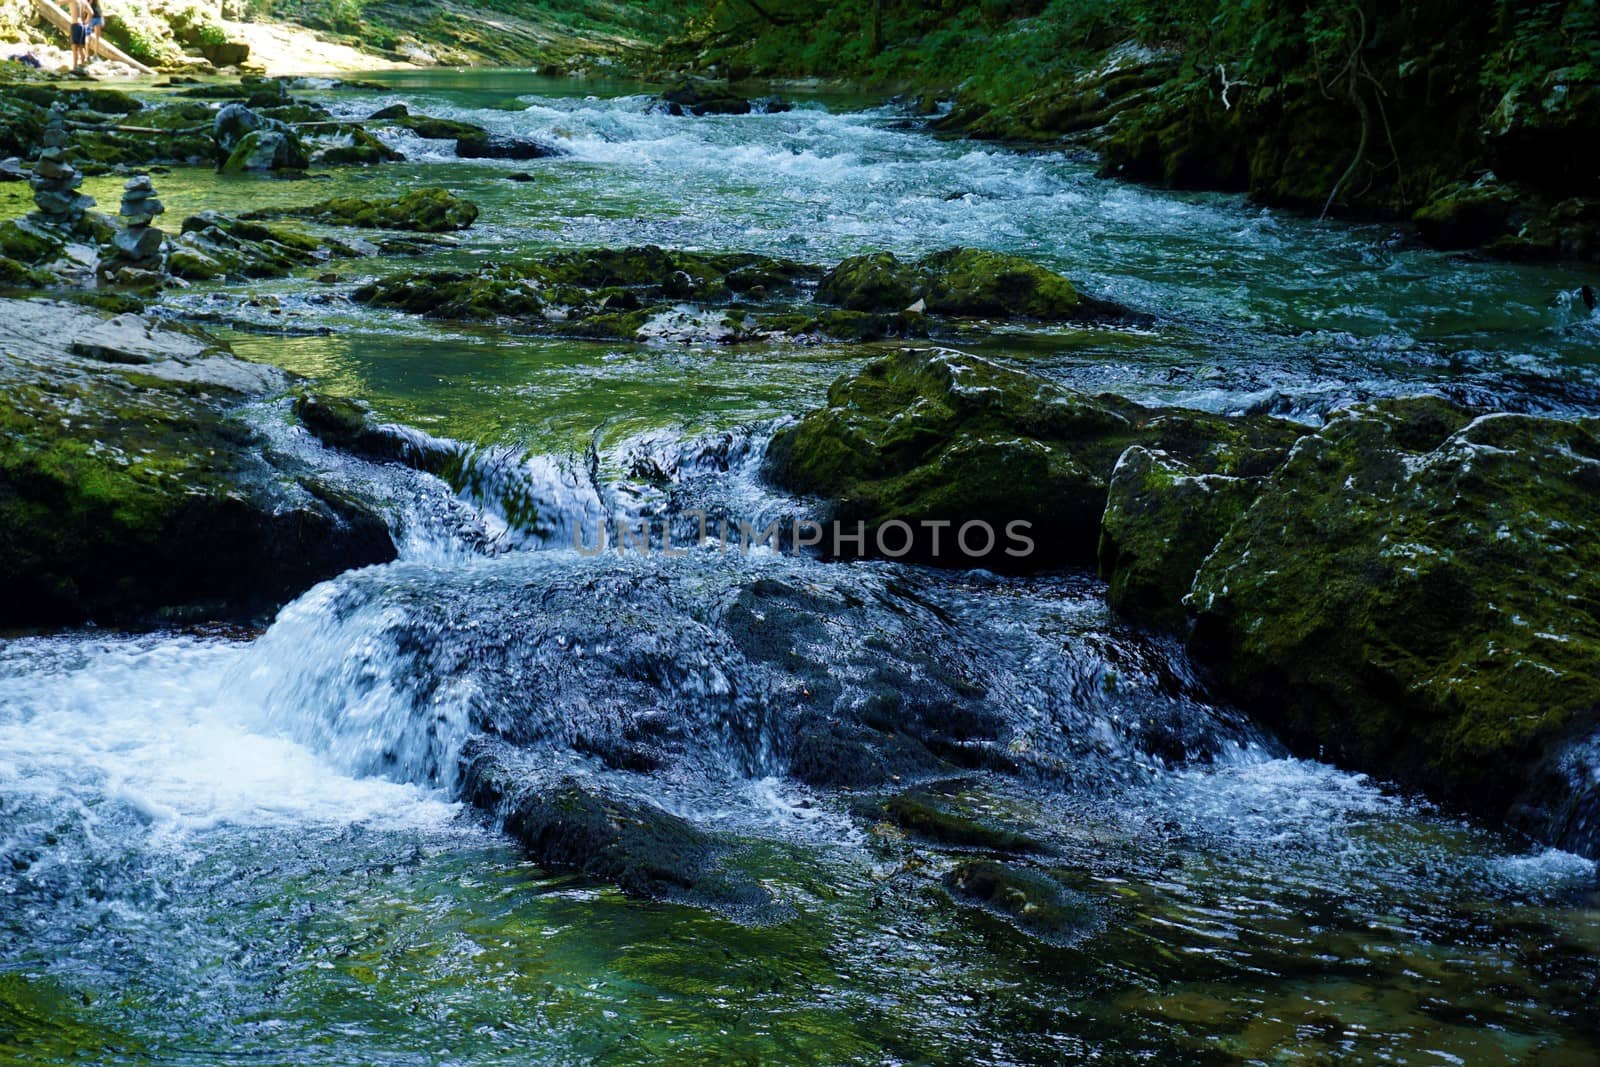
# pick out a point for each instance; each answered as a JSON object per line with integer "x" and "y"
{"x": 97, "y": 26}
{"x": 80, "y": 33}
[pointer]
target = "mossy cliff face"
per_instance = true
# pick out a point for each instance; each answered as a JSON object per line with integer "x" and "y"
{"x": 1413, "y": 595}
{"x": 132, "y": 492}
{"x": 932, "y": 436}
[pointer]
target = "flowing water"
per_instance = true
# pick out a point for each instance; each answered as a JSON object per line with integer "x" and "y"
{"x": 224, "y": 847}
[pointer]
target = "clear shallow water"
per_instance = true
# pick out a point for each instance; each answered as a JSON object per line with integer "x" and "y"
{"x": 229, "y": 848}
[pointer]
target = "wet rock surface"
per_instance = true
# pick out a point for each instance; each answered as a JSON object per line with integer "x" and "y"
{"x": 132, "y": 491}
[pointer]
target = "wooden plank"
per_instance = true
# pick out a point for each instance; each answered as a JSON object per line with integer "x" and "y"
{"x": 62, "y": 21}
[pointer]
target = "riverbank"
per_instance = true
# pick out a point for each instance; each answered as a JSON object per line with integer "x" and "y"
{"x": 1465, "y": 124}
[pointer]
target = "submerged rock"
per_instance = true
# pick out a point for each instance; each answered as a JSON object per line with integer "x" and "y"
{"x": 576, "y": 824}
{"x": 1412, "y": 594}
{"x": 701, "y": 96}
{"x": 1028, "y": 898}
{"x": 131, "y": 491}
{"x": 952, "y": 459}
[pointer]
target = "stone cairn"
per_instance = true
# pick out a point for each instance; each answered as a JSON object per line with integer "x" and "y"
{"x": 55, "y": 180}
{"x": 137, "y": 247}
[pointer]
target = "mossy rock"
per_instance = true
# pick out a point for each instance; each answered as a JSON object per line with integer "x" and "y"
{"x": 431, "y": 210}
{"x": 133, "y": 494}
{"x": 213, "y": 245}
{"x": 347, "y": 424}
{"x": 594, "y": 292}
{"x": 18, "y": 276}
{"x": 1466, "y": 216}
{"x": 936, "y": 437}
{"x": 439, "y": 129}
{"x": 28, "y": 245}
{"x": 1163, "y": 517}
{"x": 266, "y": 150}
{"x": 941, "y": 820}
{"x": 1412, "y": 595}
{"x": 958, "y": 282}
{"x": 359, "y": 149}
{"x": 1027, "y": 898}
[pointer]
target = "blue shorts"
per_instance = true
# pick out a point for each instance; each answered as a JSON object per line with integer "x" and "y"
{"x": 80, "y": 33}
{"x": 96, "y": 22}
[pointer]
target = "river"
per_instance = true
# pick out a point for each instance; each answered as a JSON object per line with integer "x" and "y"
{"x": 223, "y": 847}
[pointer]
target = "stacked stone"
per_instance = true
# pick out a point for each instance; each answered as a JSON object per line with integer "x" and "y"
{"x": 55, "y": 180}
{"x": 138, "y": 246}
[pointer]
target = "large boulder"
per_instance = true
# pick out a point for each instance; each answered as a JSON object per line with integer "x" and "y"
{"x": 232, "y": 123}
{"x": 1163, "y": 517}
{"x": 1413, "y": 594}
{"x": 957, "y": 447}
{"x": 266, "y": 150}
{"x": 960, "y": 282}
{"x": 132, "y": 490}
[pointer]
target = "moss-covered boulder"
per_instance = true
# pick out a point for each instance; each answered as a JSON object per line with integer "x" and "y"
{"x": 430, "y": 210}
{"x": 213, "y": 245}
{"x": 1413, "y": 595}
{"x": 595, "y": 292}
{"x": 132, "y": 490}
{"x": 266, "y": 150}
{"x": 957, "y": 447}
{"x": 354, "y": 146}
{"x": 1466, "y": 215}
{"x": 958, "y": 282}
{"x": 28, "y": 244}
{"x": 15, "y": 275}
{"x": 439, "y": 129}
{"x": 1163, "y": 517}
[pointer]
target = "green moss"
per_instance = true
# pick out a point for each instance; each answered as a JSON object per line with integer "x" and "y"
{"x": 1410, "y": 596}
{"x": 16, "y": 275}
{"x": 961, "y": 282}
{"x": 213, "y": 245}
{"x": 941, "y": 437}
{"x": 936, "y": 819}
{"x": 431, "y": 210}
{"x": 28, "y": 245}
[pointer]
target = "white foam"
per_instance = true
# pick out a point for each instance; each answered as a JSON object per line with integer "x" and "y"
{"x": 147, "y": 728}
